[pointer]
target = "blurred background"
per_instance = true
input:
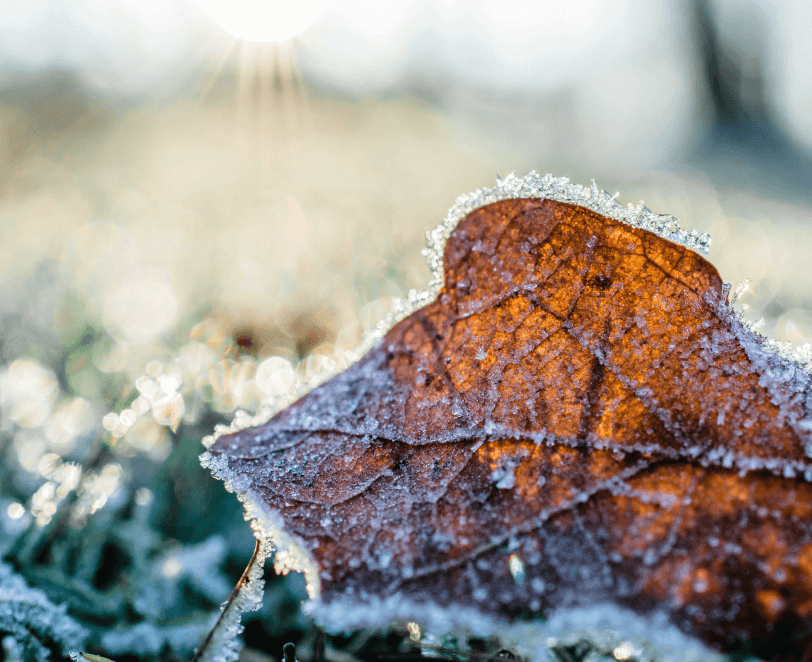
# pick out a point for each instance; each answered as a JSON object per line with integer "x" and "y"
{"x": 205, "y": 204}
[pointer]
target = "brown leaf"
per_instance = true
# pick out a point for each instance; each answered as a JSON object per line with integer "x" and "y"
{"x": 578, "y": 418}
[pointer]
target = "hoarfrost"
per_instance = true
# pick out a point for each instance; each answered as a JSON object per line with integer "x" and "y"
{"x": 531, "y": 185}
{"x": 223, "y": 643}
{"x": 33, "y": 622}
{"x": 197, "y": 566}
{"x": 784, "y": 374}
{"x": 604, "y": 627}
{"x": 149, "y": 640}
{"x": 13, "y": 650}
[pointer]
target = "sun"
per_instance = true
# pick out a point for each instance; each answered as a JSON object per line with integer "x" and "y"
{"x": 264, "y": 21}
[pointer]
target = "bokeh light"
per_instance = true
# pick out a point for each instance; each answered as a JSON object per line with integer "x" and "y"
{"x": 27, "y": 392}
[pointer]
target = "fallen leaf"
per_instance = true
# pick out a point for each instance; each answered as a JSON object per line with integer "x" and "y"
{"x": 579, "y": 417}
{"x": 88, "y": 656}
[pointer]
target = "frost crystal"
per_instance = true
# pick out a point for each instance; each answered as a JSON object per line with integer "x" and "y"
{"x": 34, "y": 623}
{"x": 148, "y": 640}
{"x": 531, "y": 185}
{"x": 360, "y": 404}
{"x": 224, "y": 643}
{"x": 601, "y": 629}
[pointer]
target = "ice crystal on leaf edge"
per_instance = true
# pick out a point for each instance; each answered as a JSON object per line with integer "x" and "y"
{"x": 600, "y": 625}
{"x": 531, "y": 185}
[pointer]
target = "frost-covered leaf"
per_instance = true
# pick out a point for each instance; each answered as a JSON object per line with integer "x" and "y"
{"x": 36, "y": 628}
{"x": 578, "y": 418}
{"x": 78, "y": 656}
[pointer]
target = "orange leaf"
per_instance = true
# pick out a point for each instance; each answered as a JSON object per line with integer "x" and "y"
{"x": 577, "y": 418}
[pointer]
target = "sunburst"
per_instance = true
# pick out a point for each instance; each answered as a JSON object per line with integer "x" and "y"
{"x": 269, "y": 21}
{"x": 255, "y": 40}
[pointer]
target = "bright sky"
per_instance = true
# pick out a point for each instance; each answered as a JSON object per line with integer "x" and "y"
{"x": 580, "y": 46}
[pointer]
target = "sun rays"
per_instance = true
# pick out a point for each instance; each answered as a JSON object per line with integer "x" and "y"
{"x": 254, "y": 59}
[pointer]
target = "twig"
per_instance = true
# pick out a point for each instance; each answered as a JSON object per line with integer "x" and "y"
{"x": 229, "y": 604}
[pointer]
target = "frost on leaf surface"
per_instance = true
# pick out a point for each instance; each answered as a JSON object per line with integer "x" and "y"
{"x": 578, "y": 418}
{"x": 31, "y": 626}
